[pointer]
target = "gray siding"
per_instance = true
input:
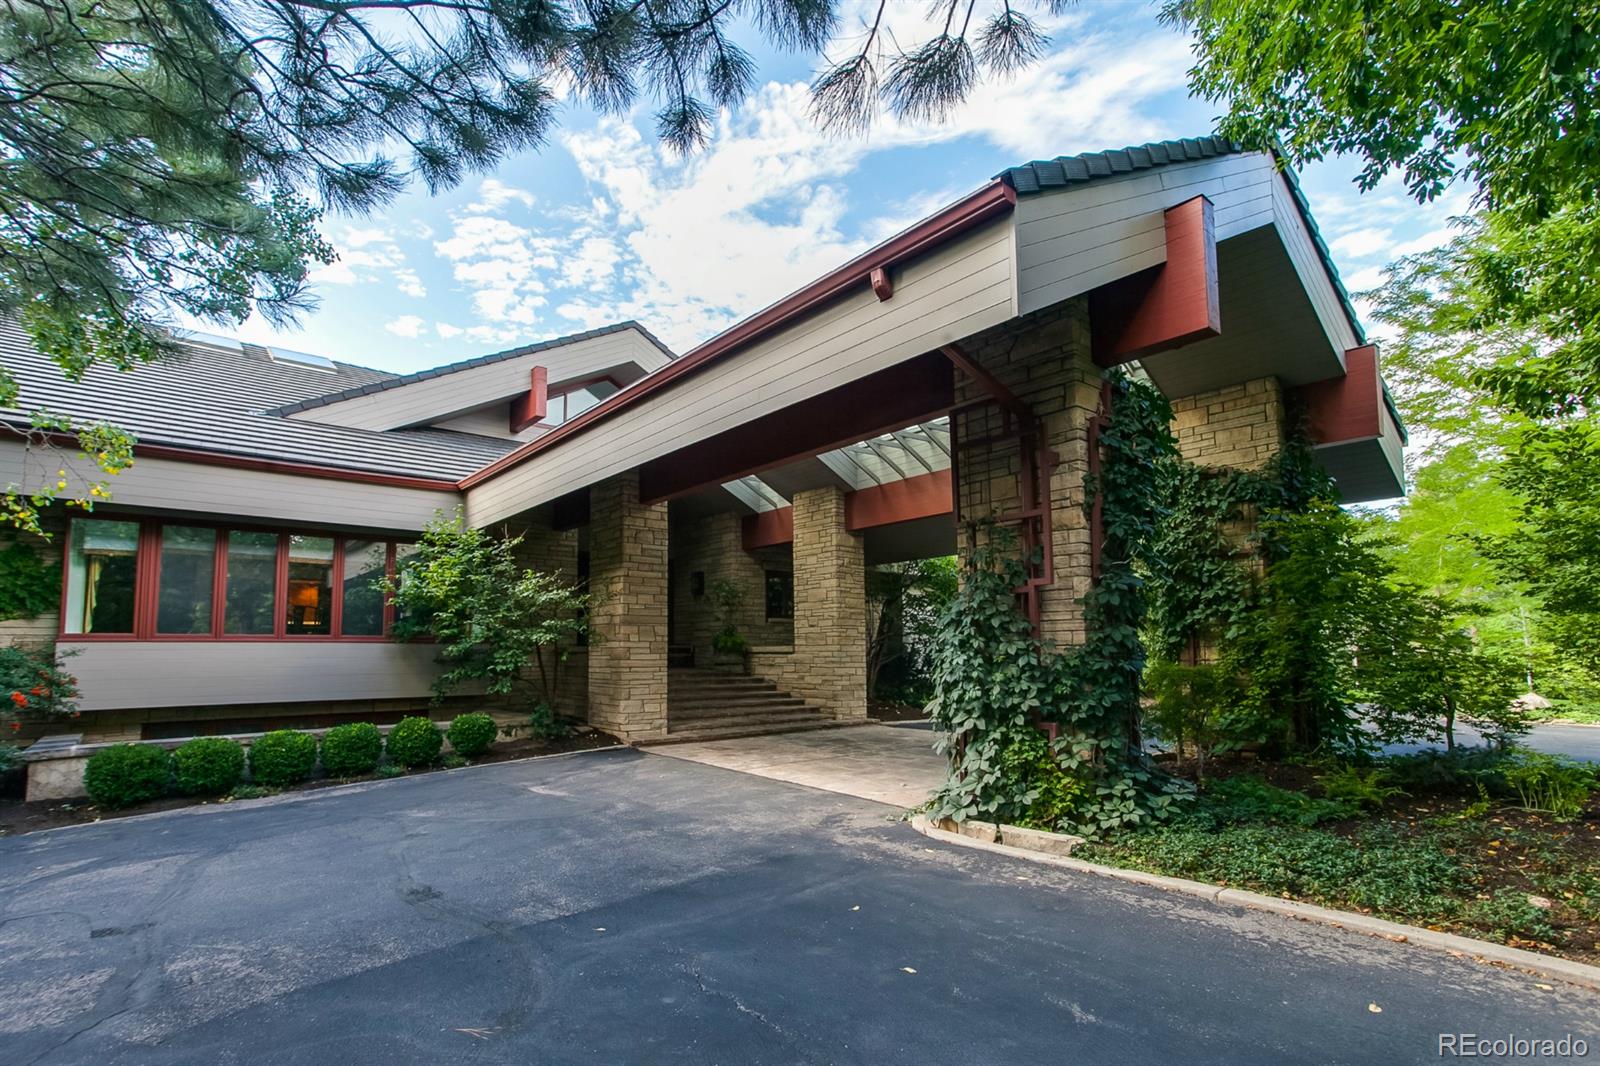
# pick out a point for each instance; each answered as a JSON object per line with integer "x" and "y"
{"x": 222, "y": 492}
{"x": 1313, "y": 274}
{"x": 434, "y": 399}
{"x": 126, "y": 675}
{"x": 1081, "y": 237}
{"x": 954, "y": 292}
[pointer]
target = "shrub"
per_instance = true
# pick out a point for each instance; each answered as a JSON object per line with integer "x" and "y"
{"x": 1246, "y": 799}
{"x": 1552, "y": 784}
{"x": 125, "y": 774}
{"x": 544, "y": 724}
{"x": 389, "y": 769}
{"x": 454, "y": 762}
{"x": 414, "y": 741}
{"x": 1051, "y": 796}
{"x": 8, "y": 756}
{"x": 471, "y": 734}
{"x": 349, "y": 750}
{"x": 1359, "y": 788}
{"x": 283, "y": 757}
{"x": 207, "y": 766}
{"x": 33, "y": 684}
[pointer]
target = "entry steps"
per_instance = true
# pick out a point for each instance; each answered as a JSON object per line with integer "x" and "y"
{"x": 708, "y": 705}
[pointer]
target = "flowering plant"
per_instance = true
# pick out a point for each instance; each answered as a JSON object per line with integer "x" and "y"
{"x": 33, "y": 684}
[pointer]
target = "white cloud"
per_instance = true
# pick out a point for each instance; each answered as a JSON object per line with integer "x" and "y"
{"x": 409, "y": 284}
{"x": 407, "y": 326}
{"x": 495, "y": 194}
{"x": 1361, "y": 243}
{"x": 446, "y": 330}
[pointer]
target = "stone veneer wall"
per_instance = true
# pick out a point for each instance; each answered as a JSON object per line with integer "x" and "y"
{"x": 1240, "y": 426}
{"x": 828, "y": 666}
{"x": 713, "y": 545}
{"x": 1044, "y": 359}
{"x": 628, "y": 573}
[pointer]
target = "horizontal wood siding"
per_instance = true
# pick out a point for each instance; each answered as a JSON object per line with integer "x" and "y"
{"x": 221, "y": 492}
{"x": 437, "y": 398}
{"x": 1079, "y": 238}
{"x": 956, "y": 291}
{"x": 125, "y": 675}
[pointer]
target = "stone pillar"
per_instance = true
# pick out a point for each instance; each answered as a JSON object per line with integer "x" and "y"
{"x": 1240, "y": 426}
{"x": 628, "y": 574}
{"x": 1044, "y": 360}
{"x": 829, "y": 665}
{"x": 553, "y": 551}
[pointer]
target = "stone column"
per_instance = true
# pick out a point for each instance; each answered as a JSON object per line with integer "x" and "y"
{"x": 1240, "y": 426}
{"x": 829, "y": 668}
{"x": 1044, "y": 360}
{"x": 628, "y": 573}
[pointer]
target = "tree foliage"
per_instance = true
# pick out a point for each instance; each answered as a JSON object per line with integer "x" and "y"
{"x": 490, "y": 615}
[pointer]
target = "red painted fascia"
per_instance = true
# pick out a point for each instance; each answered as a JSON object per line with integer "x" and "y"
{"x": 991, "y": 201}
{"x": 1345, "y": 408}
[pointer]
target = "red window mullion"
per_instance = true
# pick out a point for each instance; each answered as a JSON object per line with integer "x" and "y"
{"x": 336, "y": 608}
{"x": 146, "y": 580}
{"x": 281, "y": 589}
{"x": 219, "y": 584}
{"x": 388, "y": 601}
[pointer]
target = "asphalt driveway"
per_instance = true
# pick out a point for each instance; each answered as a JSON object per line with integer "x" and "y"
{"x": 619, "y": 907}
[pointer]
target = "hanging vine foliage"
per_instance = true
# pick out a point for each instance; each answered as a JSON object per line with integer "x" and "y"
{"x": 996, "y": 682}
{"x": 29, "y": 586}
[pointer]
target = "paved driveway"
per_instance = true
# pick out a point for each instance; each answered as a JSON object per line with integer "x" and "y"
{"x": 619, "y": 907}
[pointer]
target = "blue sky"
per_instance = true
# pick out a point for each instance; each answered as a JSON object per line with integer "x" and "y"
{"x": 603, "y": 224}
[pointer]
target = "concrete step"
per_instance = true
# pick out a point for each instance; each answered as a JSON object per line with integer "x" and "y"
{"x": 688, "y": 736}
{"x": 723, "y": 691}
{"x": 748, "y": 714}
{"x": 743, "y": 699}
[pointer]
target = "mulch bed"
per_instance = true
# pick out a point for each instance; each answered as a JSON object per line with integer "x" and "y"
{"x": 17, "y": 817}
{"x": 885, "y": 711}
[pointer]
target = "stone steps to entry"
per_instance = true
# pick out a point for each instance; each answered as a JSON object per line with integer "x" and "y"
{"x": 705, "y": 705}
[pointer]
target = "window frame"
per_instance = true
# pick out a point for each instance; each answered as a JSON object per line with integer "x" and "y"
{"x": 766, "y": 594}
{"x": 147, "y": 586}
{"x": 571, "y": 387}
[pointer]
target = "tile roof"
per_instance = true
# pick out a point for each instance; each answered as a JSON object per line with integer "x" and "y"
{"x": 393, "y": 381}
{"x": 215, "y": 399}
{"x": 1045, "y": 174}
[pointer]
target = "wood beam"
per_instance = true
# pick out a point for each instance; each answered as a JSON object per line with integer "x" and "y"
{"x": 1345, "y": 408}
{"x": 923, "y": 496}
{"x": 1166, "y": 306}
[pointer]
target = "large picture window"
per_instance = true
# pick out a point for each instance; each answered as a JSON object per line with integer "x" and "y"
{"x": 150, "y": 580}
{"x": 101, "y": 577}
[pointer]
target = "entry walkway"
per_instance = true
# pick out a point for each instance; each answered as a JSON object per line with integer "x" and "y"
{"x": 890, "y": 764}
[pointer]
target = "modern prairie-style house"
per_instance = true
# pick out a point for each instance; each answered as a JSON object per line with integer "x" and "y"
{"x": 952, "y": 372}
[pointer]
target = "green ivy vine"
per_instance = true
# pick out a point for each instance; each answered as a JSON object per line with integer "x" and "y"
{"x": 29, "y": 586}
{"x": 995, "y": 681}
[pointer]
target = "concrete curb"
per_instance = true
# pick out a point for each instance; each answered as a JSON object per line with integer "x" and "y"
{"x": 1482, "y": 951}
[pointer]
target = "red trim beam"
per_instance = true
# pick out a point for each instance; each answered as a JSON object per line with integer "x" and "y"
{"x": 531, "y": 406}
{"x": 1346, "y": 408}
{"x": 1167, "y": 306}
{"x": 923, "y": 496}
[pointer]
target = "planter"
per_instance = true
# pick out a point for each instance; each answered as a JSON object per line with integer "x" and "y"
{"x": 730, "y": 662}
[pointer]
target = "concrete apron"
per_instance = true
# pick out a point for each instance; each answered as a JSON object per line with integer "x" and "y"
{"x": 885, "y": 764}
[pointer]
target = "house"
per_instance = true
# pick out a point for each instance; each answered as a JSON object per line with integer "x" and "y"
{"x": 951, "y": 372}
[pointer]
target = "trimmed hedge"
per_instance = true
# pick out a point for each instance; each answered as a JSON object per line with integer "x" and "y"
{"x": 414, "y": 742}
{"x": 125, "y": 774}
{"x": 283, "y": 757}
{"x": 471, "y": 734}
{"x": 208, "y": 766}
{"x": 350, "y": 750}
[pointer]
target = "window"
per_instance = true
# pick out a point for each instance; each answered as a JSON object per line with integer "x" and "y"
{"x": 188, "y": 567}
{"x": 252, "y": 584}
{"x": 365, "y": 563}
{"x": 310, "y": 586}
{"x": 152, "y": 580}
{"x": 780, "y": 594}
{"x": 102, "y": 566}
{"x": 565, "y": 406}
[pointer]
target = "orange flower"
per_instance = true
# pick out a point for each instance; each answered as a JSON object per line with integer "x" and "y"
{"x": 19, "y": 699}
{"x": 37, "y": 691}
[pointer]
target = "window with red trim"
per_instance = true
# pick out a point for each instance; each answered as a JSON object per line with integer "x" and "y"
{"x": 150, "y": 580}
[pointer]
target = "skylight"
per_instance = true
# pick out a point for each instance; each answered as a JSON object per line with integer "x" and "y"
{"x": 195, "y": 336}
{"x": 302, "y": 359}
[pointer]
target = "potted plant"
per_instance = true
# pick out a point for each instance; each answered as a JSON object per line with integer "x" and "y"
{"x": 729, "y": 649}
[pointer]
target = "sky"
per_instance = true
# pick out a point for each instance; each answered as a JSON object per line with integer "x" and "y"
{"x": 604, "y": 224}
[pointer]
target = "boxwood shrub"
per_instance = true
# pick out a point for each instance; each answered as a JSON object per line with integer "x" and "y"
{"x": 208, "y": 766}
{"x": 471, "y": 734}
{"x": 125, "y": 774}
{"x": 349, "y": 750}
{"x": 283, "y": 757}
{"x": 414, "y": 741}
